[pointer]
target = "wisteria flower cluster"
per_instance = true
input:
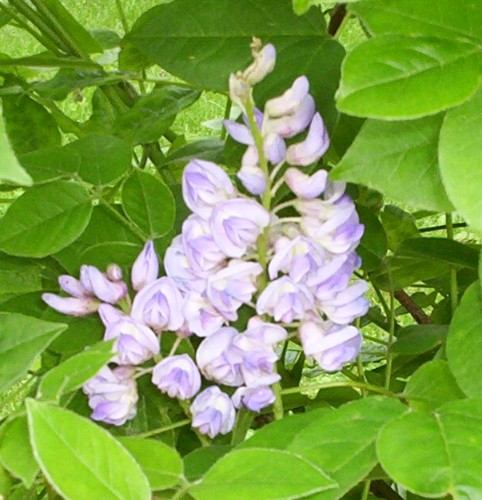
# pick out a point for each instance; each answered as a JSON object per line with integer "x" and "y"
{"x": 288, "y": 259}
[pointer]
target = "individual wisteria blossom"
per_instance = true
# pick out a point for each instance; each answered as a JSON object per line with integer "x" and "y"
{"x": 201, "y": 316}
{"x": 145, "y": 268}
{"x": 177, "y": 376}
{"x": 112, "y": 395}
{"x": 213, "y": 412}
{"x": 253, "y": 398}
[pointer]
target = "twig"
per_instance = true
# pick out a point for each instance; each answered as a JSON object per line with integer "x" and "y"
{"x": 413, "y": 308}
{"x": 336, "y": 19}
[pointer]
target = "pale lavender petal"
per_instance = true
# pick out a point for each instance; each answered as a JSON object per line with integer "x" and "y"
{"x": 290, "y": 101}
{"x": 239, "y": 132}
{"x": 264, "y": 62}
{"x": 72, "y": 306}
{"x": 72, "y": 286}
{"x": 274, "y": 148}
{"x": 291, "y": 125}
{"x": 145, "y": 268}
{"x": 253, "y": 398}
{"x": 104, "y": 289}
{"x": 110, "y": 314}
{"x": 202, "y": 317}
{"x": 177, "y": 376}
{"x": 306, "y": 186}
{"x": 114, "y": 272}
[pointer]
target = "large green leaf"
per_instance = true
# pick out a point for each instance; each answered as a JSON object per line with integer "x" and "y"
{"x": 22, "y": 339}
{"x": 341, "y": 442}
{"x": 464, "y": 342}
{"x": 373, "y": 245}
{"x": 15, "y": 451}
{"x": 19, "y": 276}
{"x": 417, "y": 339}
{"x": 161, "y": 464}
{"x": 10, "y": 169}
{"x": 72, "y": 373}
{"x": 103, "y": 158}
{"x": 80, "y": 459}
{"x": 29, "y": 125}
{"x": 45, "y": 219}
{"x": 412, "y": 17}
{"x": 436, "y": 454}
{"x": 404, "y": 77}
{"x": 261, "y": 473}
{"x": 201, "y": 459}
{"x": 205, "y": 41}
{"x": 431, "y": 386}
{"x": 398, "y": 159}
{"x": 149, "y": 203}
{"x": 460, "y": 158}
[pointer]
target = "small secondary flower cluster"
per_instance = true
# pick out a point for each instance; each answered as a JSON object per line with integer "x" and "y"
{"x": 235, "y": 251}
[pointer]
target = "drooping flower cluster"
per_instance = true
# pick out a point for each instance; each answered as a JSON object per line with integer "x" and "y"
{"x": 235, "y": 250}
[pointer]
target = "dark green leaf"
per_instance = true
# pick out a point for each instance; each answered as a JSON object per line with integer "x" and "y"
{"x": 45, "y": 219}
{"x": 373, "y": 245}
{"x": 29, "y": 125}
{"x": 341, "y": 441}
{"x": 204, "y": 149}
{"x": 412, "y": 17}
{"x": 200, "y": 460}
{"x": 404, "y": 77}
{"x": 19, "y": 276}
{"x": 10, "y": 169}
{"x": 398, "y": 159}
{"x": 149, "y": 203}
{"x": 460, "y": 159}
{"x": 417, "y": 339}
{"x": 15, "y": 451}
{"x": 72, "y": 373}
{"x": 464, "y": 342}
{"x": 445, "y": 455}
{"x": 204, "y": 42}
{"x": 103, "y": 158}
{"x": 431, "y": 386}
{"x": 22, "y": 339}
{"x": 80, "y": 459}
{"x": 261, "y": 473}
{"x": 161, "y": 464}
{"x": 399, "y": 225}
{"x": 101, "y": 255}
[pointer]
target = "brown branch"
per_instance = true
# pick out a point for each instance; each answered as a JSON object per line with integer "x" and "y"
{"x": 381, "y": 489}
{"x": 413, "y": 308}
{"x": 337, "y": 15}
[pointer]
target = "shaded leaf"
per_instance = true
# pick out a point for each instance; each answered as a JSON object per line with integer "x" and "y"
{"x": 10, "y": 169}
{"x": 417, "y": 339}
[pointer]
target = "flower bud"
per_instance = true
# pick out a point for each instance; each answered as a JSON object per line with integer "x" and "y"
{"x": 239, "y": 89}
{"x": 312, "y": 148}
{"x": 264, "y": 62}
{"x": 306, "y": 186}
{"x": 112, "y": 395}
{"x": 158, "y": 305}
{"x": 73, "y": 286}
{"x": 135, "y": 343}
{"x": 204, "y": 185}
{"x": 114, "y": 272}
{"x": 98, "y": 284}
{"x": 72, "y": 306}
{"x": 236, "y": 225}
{"x": 274, "y": 148}
{"x": 347, "y": 304}
{"x": 213, "y": 412}
{"x": 250, "y": 174}
{"x": 177, "y": 376}
{"x": 253, "y": 398}
{"x": 291, "y": 125}
{"x": 290, "y": 101}
{"x": 145, "y": 268}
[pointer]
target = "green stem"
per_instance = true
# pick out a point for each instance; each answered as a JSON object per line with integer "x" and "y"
{"x": 243, "y": 423}
{"x": 166, "y": 428}
{"x": 278, "y": 409}
{"x": 134, "y": 229}
{"x": 454, "y": 292}
{"x": 374, "y": 339}
{"x": 441, "y": 227}
{"x": 227, "y": 114}
{"x": 391, "y": 331}
{"x": 345, "y": 383}
{"x": 382, "y": 300}
{"x": 366, "y": 490}
{"x": 122, "y": 16}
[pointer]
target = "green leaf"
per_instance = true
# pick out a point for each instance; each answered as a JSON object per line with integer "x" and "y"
{"x": 200, "y": 460}
{"x": 72, "y": 373}
{"x": 398, "y": 159}
{"x": 161, "y": 464}
{"x": 80, "y": 459}
{"x": 411, "y": 17}
{"x": 101, "y": 255}
{"x": 261, "y": 473}
{"x": 82, "y": 332}
{"x": 45, "y": 219}
{"x": 15, "y": 451}
{"x": 399, "y": 226}
{"x": 448, "y": 463}
{"x": 29, "y": 125}
{"x": 153, "y": 114}
{"x": 341, "y": 442}
{"x": 49, "y": 164}
{"x": 403, "y": 77}
{"x": 441, "y": 249}
{"x": 19, "y": 276}
{"x": 22, "y": 339}
{"x": 204, "y": 42}
{"x": 5, "y": 478}
{"x": 10, "y": 169}
{"x": 204, "y": 149}
{"x": 149, "y": 203}
{"x": 103, "y": 158}
{"x": 373, "y": 245}
{"x": 460, "y": 158}
{"x": 431, "y": 386}
{"x": 417, "y": 339}
{"x": 464, "y": 342}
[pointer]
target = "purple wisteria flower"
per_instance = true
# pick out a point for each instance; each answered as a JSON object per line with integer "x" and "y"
{"x": 177, "y": 376}
{"x": 159, "y": 305}
{"x": 72, "y": 306}
{"x": 330, "y": 344}
{"x": 112, "y": 395}
{"x": 134, "y": 343}
{"x": 98, "y": 285}
{"x": 213, "y": 412}
{"x": 145, "y": 268}
{"x": 253, "y": 398}
{"x": 201, "y": 316}
{"x": 264, "y": 61}
{"x": 306, "y": 186}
